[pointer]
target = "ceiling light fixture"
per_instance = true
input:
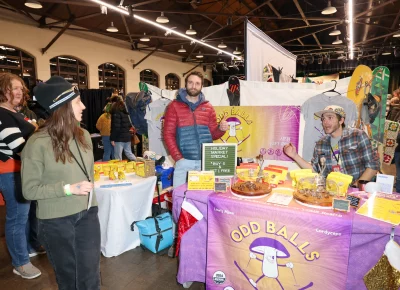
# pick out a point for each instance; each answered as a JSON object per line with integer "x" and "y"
{"x": 199, "y": 55}
{"x": 337, "y": 41}
{"x": 112, "y": 28}
{"x": 351, "y": 29}
{"x": 222, "y": 45}
{"x": 125, "y": 11}
{"x": 191, "y": 31}
{"x": 329, "y": 9}
{"x": 335, "y": 32}
{"x": 237, "y": 51}
{"x": 144, "y": 38}
{"x": 181, "y": 49}
{"x": 33, "y": 4}
{"x": 162, "y": 18}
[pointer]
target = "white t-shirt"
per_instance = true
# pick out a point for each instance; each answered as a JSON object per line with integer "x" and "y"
{"x": 313, "y": 130}
{"x": 155, "y": 121}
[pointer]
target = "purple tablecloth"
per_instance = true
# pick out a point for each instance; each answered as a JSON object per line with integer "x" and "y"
{"x": 368, "y": 240}
{"x": 193, "y": 249}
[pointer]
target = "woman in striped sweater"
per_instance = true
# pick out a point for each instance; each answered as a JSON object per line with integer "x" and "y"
{"x": 14, "y": 131}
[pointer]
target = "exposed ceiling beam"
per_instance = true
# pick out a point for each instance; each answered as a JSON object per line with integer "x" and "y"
{"x": 308, "y": 34}
{"x": 299, "y": 40}
{"x": 58, "y": 35}
{"x": 374, "y": 8}
{"x": 237, "y": 19}
{"x": 272, "y": 7}
{"x": 377, "y": 16}
{"x": 144, "y": 3}
{"x": 212, "y": 20}
{"x": 302, "y": 27}
{"x": 372, "y": 24}
{"x": 77, "y": 3}
{"x": 76, "y": 19}
{"x": 26, "y": 14}
{"x": 316, "y": 39}
{"x": 238, "y": 16}
{"x": 126, "y": 28}
{"x": 375, "y": 38}
{"x": 301, "y": 12}
{"x": 147, "y": 56}
{"x": 394, "y": 24}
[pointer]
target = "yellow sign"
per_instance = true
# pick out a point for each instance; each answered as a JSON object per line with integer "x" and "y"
{"x": 201, "y": 180}
{"x": 381, "y": 209}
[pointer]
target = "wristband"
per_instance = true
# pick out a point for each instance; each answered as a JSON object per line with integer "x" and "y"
{"x": 67, "y": 189}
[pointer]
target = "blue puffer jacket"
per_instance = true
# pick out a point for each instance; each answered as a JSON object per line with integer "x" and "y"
{"x": 187, "y": 126}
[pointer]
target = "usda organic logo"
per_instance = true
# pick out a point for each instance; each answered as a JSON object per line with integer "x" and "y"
{"x": 219, "y": 277}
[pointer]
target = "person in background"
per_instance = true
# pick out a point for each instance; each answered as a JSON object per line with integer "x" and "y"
{"x": 189, "y": 121}
{"x": 120, "y": 134}
{"x": 394, "y": 115}
{"x": 104, "y": 126}
{"x": 57, "y": 171}
{"x": 347, "y": 150}
{"x": 14, "y": 132}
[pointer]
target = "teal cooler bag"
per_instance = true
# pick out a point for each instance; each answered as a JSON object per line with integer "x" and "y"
{"x": 155, "y": 232}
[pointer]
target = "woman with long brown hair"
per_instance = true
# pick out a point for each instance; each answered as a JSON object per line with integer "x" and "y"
{"x": 14, "y": 131}
{"x": 57, "y": 171}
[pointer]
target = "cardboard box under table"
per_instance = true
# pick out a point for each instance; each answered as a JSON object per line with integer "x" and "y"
{"x": 327, "y": 249}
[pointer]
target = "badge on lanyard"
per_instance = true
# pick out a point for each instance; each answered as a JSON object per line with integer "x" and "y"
{"x": 336, "y": 168}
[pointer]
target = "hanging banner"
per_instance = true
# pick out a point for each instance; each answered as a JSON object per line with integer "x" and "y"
{"x": 255, "y": 245}
{"x": 253, "y": 128}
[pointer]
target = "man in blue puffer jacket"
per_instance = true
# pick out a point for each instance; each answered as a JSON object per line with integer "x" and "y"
{"x": 190, "y": 121}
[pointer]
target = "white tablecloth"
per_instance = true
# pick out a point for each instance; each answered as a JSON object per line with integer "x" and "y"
{"x": 118, "y": 208}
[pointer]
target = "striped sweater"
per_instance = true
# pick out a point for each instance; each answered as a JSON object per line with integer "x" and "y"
{"x": 14, "y": 131}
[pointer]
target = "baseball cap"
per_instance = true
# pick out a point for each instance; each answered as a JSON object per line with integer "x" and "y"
{"x": 332, "y": 109}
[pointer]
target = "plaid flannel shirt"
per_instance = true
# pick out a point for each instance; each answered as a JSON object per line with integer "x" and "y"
{"x": 356, "y": 153}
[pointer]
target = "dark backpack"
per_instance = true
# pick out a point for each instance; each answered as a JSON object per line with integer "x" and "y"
{"x": 136, "y": 104}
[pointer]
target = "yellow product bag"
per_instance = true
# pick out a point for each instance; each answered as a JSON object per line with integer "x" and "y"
{"x": 96, "y": 175}
{"x": 98, "y": 167}
{"x": 283, "y": 168}
{"x": 130, "y": 167}
{"x": 121, "y": 175}
{"x": 113, "y": 175}
{"x": 302, "y": 174}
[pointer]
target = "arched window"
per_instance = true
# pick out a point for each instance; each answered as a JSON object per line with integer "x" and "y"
{"x": 18, "y": 62}
{"x": 111, "y": 76}
{"x": 70, "y": 68}
{"x": 149, "y": 77}
{"x": 172, "y": 82}
{"x": 207, "y": 83}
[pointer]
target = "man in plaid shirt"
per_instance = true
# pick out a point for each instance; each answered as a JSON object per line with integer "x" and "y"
{"x": 347, "y": 150}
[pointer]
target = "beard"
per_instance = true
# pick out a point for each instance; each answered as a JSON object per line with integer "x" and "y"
{"x": 193, "y": 92}
{"x": 333, "y": 128}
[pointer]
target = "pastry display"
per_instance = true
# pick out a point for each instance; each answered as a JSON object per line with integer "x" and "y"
{"x": 315, "y": 191}
{"x": 251, "y": 188}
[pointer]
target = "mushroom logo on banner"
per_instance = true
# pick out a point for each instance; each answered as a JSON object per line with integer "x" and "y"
{"x": 270, "y": 250}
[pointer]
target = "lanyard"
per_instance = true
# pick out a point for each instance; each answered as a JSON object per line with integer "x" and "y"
{"x": 338, "y": 156}
{"x": 83, "y": 163}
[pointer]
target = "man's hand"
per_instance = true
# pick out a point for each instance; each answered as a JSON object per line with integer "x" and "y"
{"x": 112, "y": 143}
{"x": 223, "y": 125}
{"x": 290, "y": 150}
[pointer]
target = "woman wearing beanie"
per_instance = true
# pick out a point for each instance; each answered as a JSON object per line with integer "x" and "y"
{"x": 120, "y": 135}
{"x": 104, "y": 126}
{"x": 14, "y": 131}
{"x": 57, "y": 171}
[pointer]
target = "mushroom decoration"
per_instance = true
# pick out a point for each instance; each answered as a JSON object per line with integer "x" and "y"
{"x": 271, "y": 249}
{"x": 233, "y": 122}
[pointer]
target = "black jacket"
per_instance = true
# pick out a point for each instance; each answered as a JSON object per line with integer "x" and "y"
{"x": 120, "y": 126}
